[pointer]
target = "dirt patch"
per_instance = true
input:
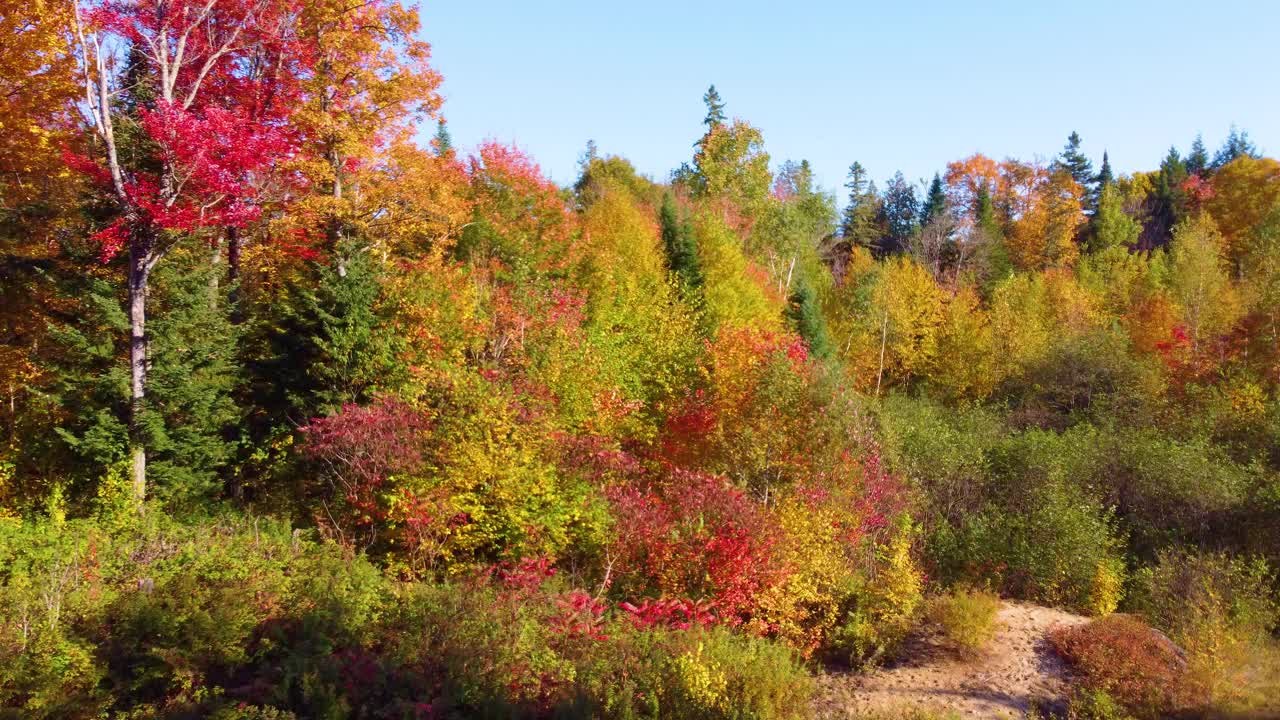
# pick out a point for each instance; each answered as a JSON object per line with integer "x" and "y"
{"x": 1016, "y": 669}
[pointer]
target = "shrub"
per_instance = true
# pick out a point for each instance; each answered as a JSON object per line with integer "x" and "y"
{"x": 1220, "y": 609}
{"x": 1122, "y": 656}
{"x": 881, "y": 609}
{"x": 967, "y": 618}
{"x": 524, "y": 646}
{"x": 1095, "y": 705}
{"x": 696, "y": 537}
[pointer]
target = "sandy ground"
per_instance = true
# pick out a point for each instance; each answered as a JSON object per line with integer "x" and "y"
{"x": 1017, "y": 668}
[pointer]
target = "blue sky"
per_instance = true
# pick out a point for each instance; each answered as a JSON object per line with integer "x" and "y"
{"x": 894, "y": 85}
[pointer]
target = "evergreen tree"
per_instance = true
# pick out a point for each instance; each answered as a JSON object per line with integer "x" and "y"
{"x": 991, "y": 253}
{"x": 1105, "y": 176}
{"x": 1198, "y": 158}
{"x": 443, "y": 141}
{"x": 858, "y": 225}
{"x": 1167, "y": 204}
{"x": 680, "y": 244}
{"x": 899, "y": 210}
{"x": 329, "y": 342}
{"x": 935, "y": 202}
{"x": 1074, "y": 161}
{"x": 715, "y": 109}
{"x": 191, "y": 419}
{"x": 1236, "y": 145}
{"x": 806, "y": 317}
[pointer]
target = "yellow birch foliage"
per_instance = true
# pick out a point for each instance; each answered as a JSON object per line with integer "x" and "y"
{"x": 1245, "y": 191}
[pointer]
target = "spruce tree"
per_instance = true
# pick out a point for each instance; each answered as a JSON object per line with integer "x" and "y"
{"x": 681, "y": 246}
{"x": 899, "y": 211}
{"x": 1236, "y": 145}
{"x": 191, "y": 419}
{"x": 715, "y": 108}
{"x": 858, "y": 225}
{"x": 1198, "y": 158}
{"x": 935, "y": 201}
{"x": 443, "y": 141}
{"x": 1168, "y": 202}
{"x": 1074, "y": 161}
{"x": 806, "y": 317}
{"x": 1105, "y": 176}
{"x": 992, "y": 255}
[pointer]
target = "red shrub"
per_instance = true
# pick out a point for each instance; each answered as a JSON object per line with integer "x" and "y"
{"x": 697, "y": 537}
{"x": 1122, "y": 656}
{"x": 360, "y": 447}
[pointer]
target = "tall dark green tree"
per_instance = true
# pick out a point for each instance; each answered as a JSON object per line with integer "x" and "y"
{"x": 900, "y": 213}
{"x": 1236, "y": 145}
{"x": 806, "y": 318}
{"x": 715, "y": 108}
{"x": 329, "y": 342}
{"x": 1167, "y": 203}
{"x": 991, "y": 255}
{"x": 681, "y": 245}
{"x": 1105, "y": 176}
{"x": 1074, "y": 161}
{"x": 1198, "y": 158}
{"x": 191, "y": 420}
{"x": 935, "y": 201}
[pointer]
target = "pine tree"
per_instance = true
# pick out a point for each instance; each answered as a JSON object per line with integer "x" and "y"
{"x": 443, "y": 141}
{"x": 806, "y": 317}
{"x": 1074, "y": 161}
{"x": 1198, "y": 158}
{"x": 935, "y": 201}
{"x": 715, "y": 108}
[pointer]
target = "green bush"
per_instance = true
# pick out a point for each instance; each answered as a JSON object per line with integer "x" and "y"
{"x": 1095, "y": 705}
{"x": 967, "y": 619}
{"x": 1055, "y": 550}
{"x": 1221, "y": 610}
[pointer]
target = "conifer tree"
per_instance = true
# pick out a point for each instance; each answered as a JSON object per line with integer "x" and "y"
{"x": 1236, "y": 145}
{"x": 935, "y": 201}
{"x": 1105, "y": 176}
{"x": 806, "y": 317}
{"x": 715, "y": 109}
{"x": 443, "y": 141}
{"x": 1167, "y": 203}
{"x": 991, "y": 253}
{"x": 858, "y": 226}
{"x": 1198, "y": 158}
{"x": 1075, "y": 162}
{"x": 900, "y": 211}
{"x": 680, "y": 245}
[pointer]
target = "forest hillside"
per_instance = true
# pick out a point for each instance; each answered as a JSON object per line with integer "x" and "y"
{"x": 305, "y": 418}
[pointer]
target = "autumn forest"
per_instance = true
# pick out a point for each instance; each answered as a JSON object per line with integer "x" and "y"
{"x": 309, "y": 414}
